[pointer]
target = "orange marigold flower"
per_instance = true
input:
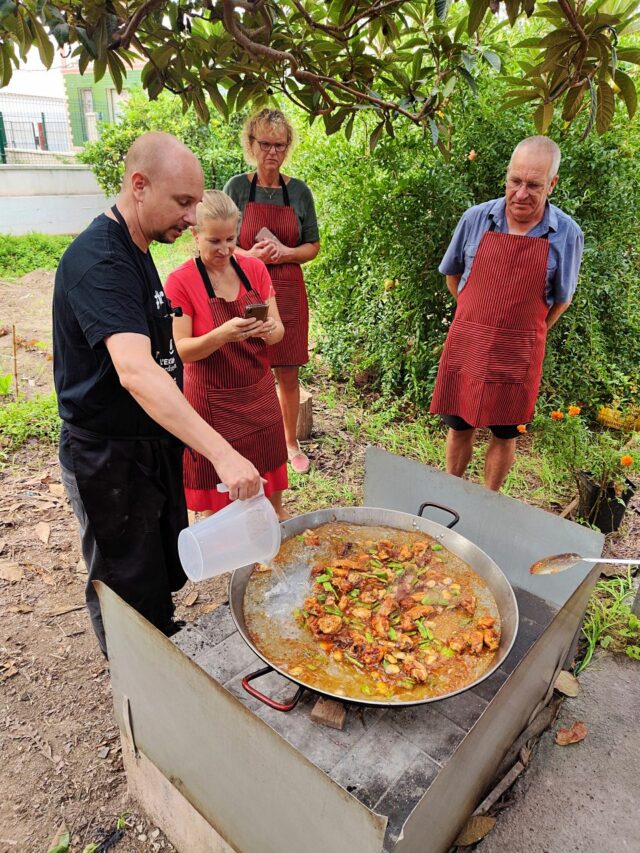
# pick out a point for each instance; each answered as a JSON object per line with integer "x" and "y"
{"x": 572, "y": 411}
{"x": 557, "y": 415}
{"x": 626, "y": 460}
{"x": 521, "y": 427}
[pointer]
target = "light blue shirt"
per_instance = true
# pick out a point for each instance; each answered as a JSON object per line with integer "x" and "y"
{"x": 566, "y": 242}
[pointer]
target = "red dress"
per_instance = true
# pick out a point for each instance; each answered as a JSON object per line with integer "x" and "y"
{"x": 233, "y": 388}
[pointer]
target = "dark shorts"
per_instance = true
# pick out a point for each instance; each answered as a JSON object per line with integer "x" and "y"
{"x": 501, "y": 431}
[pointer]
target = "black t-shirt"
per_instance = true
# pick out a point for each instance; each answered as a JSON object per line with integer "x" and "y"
{"x": 99, "y": 291}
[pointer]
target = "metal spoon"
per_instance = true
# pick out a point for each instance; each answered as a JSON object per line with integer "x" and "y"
{"x": 560, "y": 562}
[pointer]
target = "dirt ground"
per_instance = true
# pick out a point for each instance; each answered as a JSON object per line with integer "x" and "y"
{"x": 59, "y": 753}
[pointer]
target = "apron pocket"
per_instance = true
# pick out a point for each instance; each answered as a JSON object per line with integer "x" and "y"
{"x": 239, "y": 412}
{"x": 490, "y": 354}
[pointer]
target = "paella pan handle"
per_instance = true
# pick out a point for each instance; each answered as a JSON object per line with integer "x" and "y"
{"x": 456, "y": 516}
{"x": 277, "y": 706}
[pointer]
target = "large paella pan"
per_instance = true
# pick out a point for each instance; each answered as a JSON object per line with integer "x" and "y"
{"x": 266, "y": 606}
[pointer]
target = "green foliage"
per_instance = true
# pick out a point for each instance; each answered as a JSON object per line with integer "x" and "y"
{"x": 20, "y": 255}
{"x": 333, "y": 59}
{"x": 26, "y": 419}
{"x": 5, "y": 384}
{"x": 387, "y": 218}
{"x": 609, "y": 621}
{"x": 575, "y": 446}
{"x": 216, "y": 145}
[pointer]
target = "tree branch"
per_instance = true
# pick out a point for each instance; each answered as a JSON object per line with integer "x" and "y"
{"x": 123, "y": 39}
{"x": 282, "y": 56}
{"x": 572, "y": 18}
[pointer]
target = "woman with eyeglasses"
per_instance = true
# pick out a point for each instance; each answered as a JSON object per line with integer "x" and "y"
{"x": 279, "y": 227}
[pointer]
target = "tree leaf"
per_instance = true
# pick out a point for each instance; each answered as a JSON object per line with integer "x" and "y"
{"x": 469, "y": 79}
{"x": 628, "y": 91}
{"x": 606, "y": 107}
{"x": 442, "y": 8}
{"x": 375, "y": 136}
{"x": 594, "y": 109}
{"x": 573, "y": 102}
{"x": 493, "y": 59}
{"x": 477, "y": 11}
{"x": 99, "y": 68}
{"x": 629, "y": 54}
{"x": 45, "y": 48}
{"x": 542, "y": 117}
{"x": 435, "y": 133}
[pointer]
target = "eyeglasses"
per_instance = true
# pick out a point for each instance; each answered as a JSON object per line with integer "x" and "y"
{"x": 277, "y": 146}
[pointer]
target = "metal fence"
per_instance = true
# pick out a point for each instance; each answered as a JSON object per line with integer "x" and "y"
{"x": 34, "y": 130}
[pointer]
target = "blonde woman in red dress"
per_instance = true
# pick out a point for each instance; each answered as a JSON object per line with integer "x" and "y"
{"x": 279, "y": 227}
{"x": 227, "y": 376}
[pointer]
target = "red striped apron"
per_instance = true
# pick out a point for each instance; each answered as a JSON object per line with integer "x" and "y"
{"x": 288, "y": 280}
{"x": 234, "y": 391}
{"x": 491, "y": 365}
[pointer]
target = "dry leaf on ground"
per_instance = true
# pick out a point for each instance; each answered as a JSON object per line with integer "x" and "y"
{"x": 10, "y": 571}
{"x": 56, "y": 489}
{"x": 567, "y": 684}
{"x": 475, "y": 830}
{"x": 574, "y": 734}
{"x": 190, "y": 598}
{"x": 8, "y": 670}
{"x": 43, "y": 532}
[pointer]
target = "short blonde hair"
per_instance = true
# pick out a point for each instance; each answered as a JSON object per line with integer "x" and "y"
{"x": 275, "y": 118}
{"x": 215, "y": 205}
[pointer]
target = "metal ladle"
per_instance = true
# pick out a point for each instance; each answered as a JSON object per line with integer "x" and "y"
{"x": 561, "y": 562}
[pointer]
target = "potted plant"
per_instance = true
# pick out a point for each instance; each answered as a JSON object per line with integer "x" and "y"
{"x": 598, "y": 461}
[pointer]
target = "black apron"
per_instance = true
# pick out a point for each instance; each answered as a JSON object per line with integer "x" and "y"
{"x": 131, "y": 486}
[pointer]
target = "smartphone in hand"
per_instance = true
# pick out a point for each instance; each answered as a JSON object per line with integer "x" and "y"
{"x": 265, "y": 234}
{"x": 258, "y": 311}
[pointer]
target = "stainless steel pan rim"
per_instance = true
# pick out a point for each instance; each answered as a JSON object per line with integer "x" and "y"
{"x": 463, "y": 548}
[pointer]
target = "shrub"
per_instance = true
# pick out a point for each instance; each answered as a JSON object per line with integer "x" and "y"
{"x": 20, "y": 255}
{"x": 216, "y": 145}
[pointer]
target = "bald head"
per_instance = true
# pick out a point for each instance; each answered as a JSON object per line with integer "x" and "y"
{"x": 154, "y": 152}
{"x": 540, "y": 148}
{"x": 162, "y": 184}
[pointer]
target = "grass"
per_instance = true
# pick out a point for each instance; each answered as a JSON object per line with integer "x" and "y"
{"x": 168, "y": 256}
{"x": 316, "y": 490}
{"x": 21, "y": 255}
{"x": 609, "y": 622}
{"x": 23, "y": 420}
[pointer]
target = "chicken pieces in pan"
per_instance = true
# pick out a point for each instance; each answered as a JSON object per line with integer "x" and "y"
{"x": 394, "y": 613}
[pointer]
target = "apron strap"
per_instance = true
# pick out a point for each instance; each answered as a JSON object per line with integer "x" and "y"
{"x": 204, "y": 275}
{"x": 254, "y": 184}
{"x": 241, "y": 274}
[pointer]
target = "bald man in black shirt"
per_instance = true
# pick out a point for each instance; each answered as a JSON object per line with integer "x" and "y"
{"x": 118, "y": 378}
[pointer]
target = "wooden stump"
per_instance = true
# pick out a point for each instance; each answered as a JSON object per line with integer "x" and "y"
{"x": 304, "y": 426}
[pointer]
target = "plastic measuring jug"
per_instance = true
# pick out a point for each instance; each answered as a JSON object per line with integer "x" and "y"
{"x": 243, "y": 532}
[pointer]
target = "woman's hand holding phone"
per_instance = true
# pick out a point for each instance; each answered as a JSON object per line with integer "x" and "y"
{"x": 239, "y": 329}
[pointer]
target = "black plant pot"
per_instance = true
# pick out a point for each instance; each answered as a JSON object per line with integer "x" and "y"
{"x": 602, "y": 507}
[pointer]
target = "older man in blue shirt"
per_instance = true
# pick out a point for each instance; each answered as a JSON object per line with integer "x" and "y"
{"x": 512, "y": 267}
